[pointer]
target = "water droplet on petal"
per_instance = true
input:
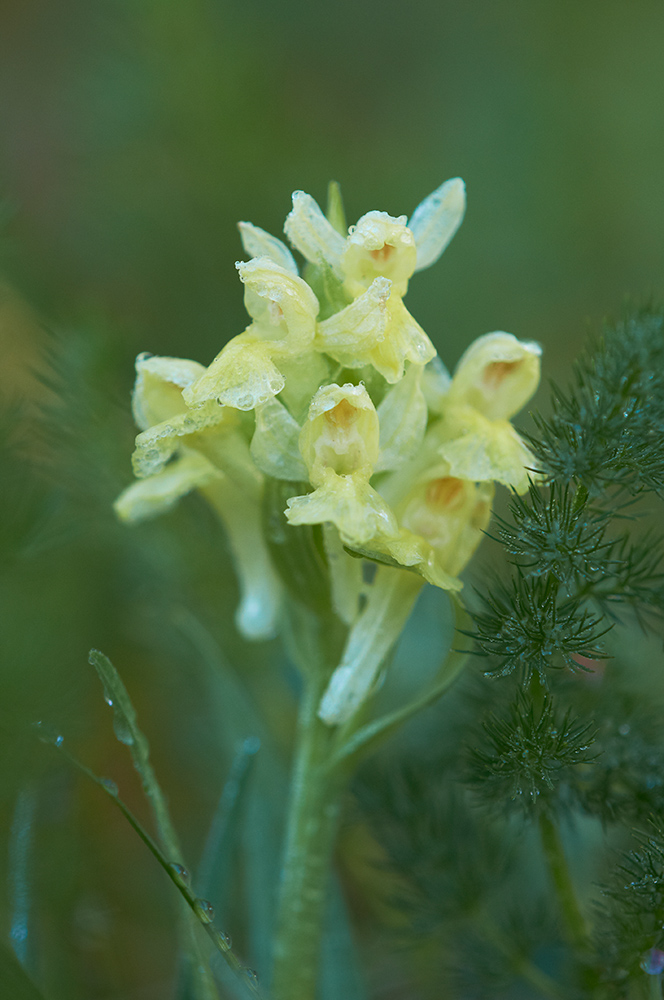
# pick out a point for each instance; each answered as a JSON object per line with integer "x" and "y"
{"x": 205, "y": 910}
{"x": 624, "y": 729}
{"x": 110, "y": 786}
{"x": 252, "y": 976}
{"x": 225, "y": 939}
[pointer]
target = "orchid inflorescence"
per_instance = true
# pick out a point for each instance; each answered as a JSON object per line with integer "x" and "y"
{"x": 335, "y": 389}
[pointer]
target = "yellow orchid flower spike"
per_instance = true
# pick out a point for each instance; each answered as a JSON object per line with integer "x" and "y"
{"x": 373, "y": 264}
{"x": 247, "y": 371}
{"x": 494, "y": 379}
{"x": 179, "y": 450}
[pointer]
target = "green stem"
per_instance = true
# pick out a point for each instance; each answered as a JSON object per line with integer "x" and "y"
{"x": 312, "y": 826}
{"x": 558, "y": 869}
{"x": 655, "y": 988}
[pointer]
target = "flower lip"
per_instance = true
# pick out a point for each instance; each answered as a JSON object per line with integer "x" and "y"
{"x": 341, "y": 433}
{"x": 379, "y": 245}
{"x": 445, "y": 493}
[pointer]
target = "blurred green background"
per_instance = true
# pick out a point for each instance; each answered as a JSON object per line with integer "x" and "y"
{"x": 134, "y": 134}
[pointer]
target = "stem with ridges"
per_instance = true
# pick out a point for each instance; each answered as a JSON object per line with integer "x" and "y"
{"x": 312, "y": 826}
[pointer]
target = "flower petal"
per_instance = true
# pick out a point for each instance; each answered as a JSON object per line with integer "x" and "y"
{"x": 274, "y": 446}
{"x": 450, "y": 514}
{"x": 485, "y": 450}
{"x": 158, "y": 388}
{"x": 157, "y": 444}
{"x": 282, "y": 305}
{"x": 402, "y": 415}
{"x": 404, "y": 340}
{"x": 348, "y": 502}
{"x": 352, "y": 333}
{"x": 242, "y": 375}
{"x": 258, "y": 243}
{"x": 380, "y": 245}
{"x": 310, "y": 232}
{"x": 340, "y": 433}
{"x": 497, "y": 375}
{"x": 435, "y": 221}
{"x": 150, "y": 497}
{"x": 436, "y": 382}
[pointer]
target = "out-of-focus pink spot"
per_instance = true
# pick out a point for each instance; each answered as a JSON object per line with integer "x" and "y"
{"x": 592, "y": 670}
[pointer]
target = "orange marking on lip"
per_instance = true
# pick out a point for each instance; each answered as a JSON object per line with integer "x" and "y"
{"x": 383, "y": 254}
{"x": 341, "y": 415}
{"x": 497, "y": 371}
{"x": 447, "y": 492}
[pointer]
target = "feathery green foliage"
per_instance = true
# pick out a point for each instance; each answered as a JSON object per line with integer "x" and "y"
{"x": 526, "y": 627}
{"x": 605, "y": 431}
{"x": 630, "y": 923}
{"x": 526, "y": 753}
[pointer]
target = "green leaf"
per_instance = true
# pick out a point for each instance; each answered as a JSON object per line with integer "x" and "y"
{"x": 214, "y": 875}
{"x": 20, "y": 864}
{"x": 335, "y": 208}
{"x": 14, "y": 982}
{"x": 127, "y": 731}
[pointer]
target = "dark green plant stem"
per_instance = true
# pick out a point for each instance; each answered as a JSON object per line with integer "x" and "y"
{"x": 559, "y": 871}
{"x": 655, "y": 988}
{"x": 313, "y": 821}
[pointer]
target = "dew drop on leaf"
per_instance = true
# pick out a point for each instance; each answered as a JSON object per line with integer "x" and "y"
{"x": 180, "y": 872}
{"x": 205, "y": 910}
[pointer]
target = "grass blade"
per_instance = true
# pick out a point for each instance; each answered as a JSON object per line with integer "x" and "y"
{"x": 249, "y": 987}
{"x": 125, "y": 725}
{"x": 20, "y": 852}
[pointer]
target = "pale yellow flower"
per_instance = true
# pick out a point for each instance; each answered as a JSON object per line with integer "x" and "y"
{"x": 339, "y": 445}
{"x": 379, "y": 244}
{"x": 494, "y": 379}
{"x": 247, "y": 371}
{"x": 180, "y": 450}
{"x": 166, "y": 423}
{"x": 442, "y": 520}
